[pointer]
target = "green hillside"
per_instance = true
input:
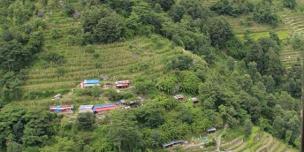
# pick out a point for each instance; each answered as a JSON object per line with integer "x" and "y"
{"x": 235, "y": 64}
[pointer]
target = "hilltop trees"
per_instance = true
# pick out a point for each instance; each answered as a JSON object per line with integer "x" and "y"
{"x": 220, "y": 32}
{"x": 101, "y": 25}
{"x": 264, "y": 13}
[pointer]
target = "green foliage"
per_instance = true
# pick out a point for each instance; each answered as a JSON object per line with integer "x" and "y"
{"x": 94, "y": 92}
{"x": 291, "y": 4}
{"x": 68, "y": 10}
{"x": 220, "y": 32}
{"x": 144, "y": 86}
{"x": 124, "y": 134}
{"x": 248, "y": 128}
{"x": 53, "y": 58}
{"x": 102, "y": 26}
{"x": 265, "y": 14}
{"x": 232, "y": 8}
{"x": 180, "y": 63}
{"x": 167, "y": 84}
{"x": 85, "y": 121}
{"x": 189, "y": 82}
{"x": 297, "y": 41}
{"x": 63, "y": 144}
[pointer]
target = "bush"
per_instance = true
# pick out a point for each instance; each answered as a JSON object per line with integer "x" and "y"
{"x": 264, "y": 14}
{"x": 168, "y": 84}
{"x": 54, "y": 58}
{"x": 144, "y": 86}
{"x": 85, "y": 121}
{"x": 180, "y": 63}
{"x": 220, "y": 32}
{"x": 297, "y": 41}
{"x": 94, "y": 92}
{"x": 55, "y": 34}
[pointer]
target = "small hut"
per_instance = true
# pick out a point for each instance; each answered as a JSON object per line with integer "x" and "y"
{"x": 122, "y": 84}
{"x": 179, "y": 97}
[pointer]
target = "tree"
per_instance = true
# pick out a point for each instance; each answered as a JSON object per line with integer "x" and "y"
{"x": 264, "y": 14}
{"x": 85, "y": 121}
{"x": 167, "y": 84}
{"x": 124, "y": 134}
{"x": 109, "y": 29}
{"x": 248, "y": 127}
{"x": 220, "y": 32}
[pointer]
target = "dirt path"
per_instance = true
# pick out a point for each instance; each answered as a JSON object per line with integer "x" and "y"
{"x": 219, "y": 138}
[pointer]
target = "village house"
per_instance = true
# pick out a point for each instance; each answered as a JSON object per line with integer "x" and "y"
{"x": 90, "y": 83}
{"x": 86, "y": 108}
{"x": 62, "y": 109}
{"x": 122, "y": 84}
{"x": 101, "y": 108}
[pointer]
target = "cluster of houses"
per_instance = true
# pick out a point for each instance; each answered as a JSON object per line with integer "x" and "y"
{"x": 96, "y": 83}
{"x": 96, "y": 109}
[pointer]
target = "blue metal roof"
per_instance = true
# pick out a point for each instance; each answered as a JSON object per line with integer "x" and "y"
{"x": 93, "y": 81}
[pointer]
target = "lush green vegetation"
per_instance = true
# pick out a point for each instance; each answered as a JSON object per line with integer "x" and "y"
{"x": 165, "y": 47}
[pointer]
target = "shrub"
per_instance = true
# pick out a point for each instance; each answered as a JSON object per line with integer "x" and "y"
{"x": 180, "y": 63}
{"x": 94, "y": 92}
{"x": 297, "y": 41}
{"x": 85, "y": 121}
{"x": 54, "y": 58}
{"x": 264, "y": 14}
{"x": 144, "y": 86}
{"x": 109, "y": 29}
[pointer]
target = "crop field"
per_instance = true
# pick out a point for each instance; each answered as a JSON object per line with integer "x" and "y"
{"x": 122, "y": 60}
{"x": 295, "y": 22}
{"x": 258, "y": 141}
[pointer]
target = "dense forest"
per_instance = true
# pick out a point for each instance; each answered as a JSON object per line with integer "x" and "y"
{"x": 239, "y": 82}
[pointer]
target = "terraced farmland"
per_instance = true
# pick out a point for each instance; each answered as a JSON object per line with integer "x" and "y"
{"x": 119, "y": 60}
{"x": 295, "y": 22}
{"x": 258, "y": 141}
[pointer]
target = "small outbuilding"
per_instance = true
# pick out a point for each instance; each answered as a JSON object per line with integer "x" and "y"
{"x": 211, "y": 130}
{"x": 122, "y": 84}
{"x": 86, "y": 108}
{"x": 90, "y": 83}
{"x": 57, "y": 97}
{"x": 194, "y": 100}
{"x": 179, "y": 97}
{"x": 173, "y": 143}
{"x": 62, "y": 109}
